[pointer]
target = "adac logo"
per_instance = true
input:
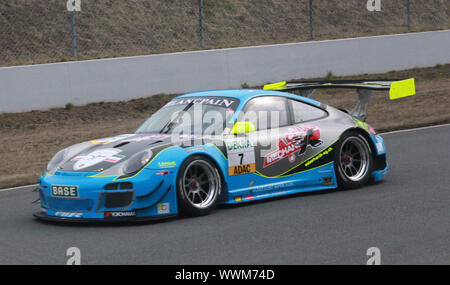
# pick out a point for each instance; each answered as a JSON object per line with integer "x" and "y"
{"x": 167, "y": 164}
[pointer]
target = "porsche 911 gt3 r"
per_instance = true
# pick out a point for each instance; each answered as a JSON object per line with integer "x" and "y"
{"x": 174, "y": 163}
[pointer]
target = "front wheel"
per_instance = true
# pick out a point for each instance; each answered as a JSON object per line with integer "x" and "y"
{"x": 353, "y": 161}
{"x": 198, "y": 186}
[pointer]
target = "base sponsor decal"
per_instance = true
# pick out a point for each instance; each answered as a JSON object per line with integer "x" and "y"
{"x": 65, "y": 191}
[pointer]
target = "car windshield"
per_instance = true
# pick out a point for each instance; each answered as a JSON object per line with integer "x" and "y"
{"x": 191, "y": 115}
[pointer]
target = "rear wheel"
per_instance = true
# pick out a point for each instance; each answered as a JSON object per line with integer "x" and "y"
{"x": 353, "y": 161}
{"x": 198, "y": 186}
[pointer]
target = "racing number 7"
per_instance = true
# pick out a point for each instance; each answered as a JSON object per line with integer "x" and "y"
{"x": 242, "y": 158}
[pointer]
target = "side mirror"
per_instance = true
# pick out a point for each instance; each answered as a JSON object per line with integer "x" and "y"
{"x": 243, "y": 128}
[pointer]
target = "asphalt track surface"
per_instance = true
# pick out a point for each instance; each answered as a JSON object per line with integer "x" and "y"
{"x": 407, "y": 217}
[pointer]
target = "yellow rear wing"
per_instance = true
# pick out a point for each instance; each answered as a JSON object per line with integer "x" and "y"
{"x": 397, "y": 89}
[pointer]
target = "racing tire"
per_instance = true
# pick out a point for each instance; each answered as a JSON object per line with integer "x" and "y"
{"x": 199, "y": 185}
{"x": 353, "y": 161}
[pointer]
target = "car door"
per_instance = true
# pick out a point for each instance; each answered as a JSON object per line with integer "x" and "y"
{"x": 245, "y": 152}
{"x": 287, "y": 135}
{"x": 292, "y": 136}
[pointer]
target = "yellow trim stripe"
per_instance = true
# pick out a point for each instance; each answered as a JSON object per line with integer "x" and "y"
{"x": 278, "y": 176}
{"x": 148, "y": 163}
{"x": 293, "y": 173}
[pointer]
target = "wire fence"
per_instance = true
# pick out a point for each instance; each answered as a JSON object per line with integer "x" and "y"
{"x": 38, "y": 31}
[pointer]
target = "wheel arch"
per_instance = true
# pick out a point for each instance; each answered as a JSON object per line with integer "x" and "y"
{"x": 213, "y": 159}
{"x": 366, "y": 136}
{"x": 344, "y": 182}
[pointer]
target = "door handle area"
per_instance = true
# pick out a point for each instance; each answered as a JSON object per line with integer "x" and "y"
{"x": 309, "y": 134}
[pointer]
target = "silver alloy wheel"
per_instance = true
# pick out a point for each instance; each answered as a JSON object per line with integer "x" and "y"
{"x": 354, "y": 158}
{"x": 200, "y": 184}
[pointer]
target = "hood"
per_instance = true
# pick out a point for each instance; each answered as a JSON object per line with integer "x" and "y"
{"x": 101, "y": 154}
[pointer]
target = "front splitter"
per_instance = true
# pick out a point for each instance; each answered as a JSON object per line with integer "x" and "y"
{"x": 43, "y": 217}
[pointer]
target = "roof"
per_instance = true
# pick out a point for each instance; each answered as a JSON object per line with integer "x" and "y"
{"x": 246, "y": 94}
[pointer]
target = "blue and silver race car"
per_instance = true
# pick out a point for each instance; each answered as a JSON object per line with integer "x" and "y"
{"x": 220, "y": 147}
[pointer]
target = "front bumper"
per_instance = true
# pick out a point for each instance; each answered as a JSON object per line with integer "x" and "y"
{"x": 44, "y": 217}
{"x": 381, "y": 164}
{"x": 149, "y": 195}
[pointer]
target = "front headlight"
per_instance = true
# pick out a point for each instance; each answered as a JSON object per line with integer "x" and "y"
{"x": 137, "y": 161}
{"x": 64, "y": 155}
{"x": 56, "y": 160}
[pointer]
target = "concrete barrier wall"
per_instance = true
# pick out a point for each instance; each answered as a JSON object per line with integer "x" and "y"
{"x": 37, "y": 87}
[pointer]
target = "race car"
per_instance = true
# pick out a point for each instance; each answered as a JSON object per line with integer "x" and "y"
{"x": 208, "y": 148}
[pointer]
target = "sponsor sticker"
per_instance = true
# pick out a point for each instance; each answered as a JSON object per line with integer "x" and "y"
{"x": 128, "y": 214}
{"x": 328, "y": 181}
{"x": 171, "y": 164}
{"x": 214, "y": 101}
{"x": 241, "y": 156}
{"x": 163, "y": 208}
{"x": 319, "y": 156}
{"x": 195, "y": 149}
{"x": 111, "y": 140}
{"x": 115, "y": 158}
{"x": 380, "y": 147}
{"x": 65, "y": 191}
{"x": 68, "y": 215}
{"x": 109, "y": 155}
{"x": 242, "y": 169}
{"x": 290, "y": 145}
